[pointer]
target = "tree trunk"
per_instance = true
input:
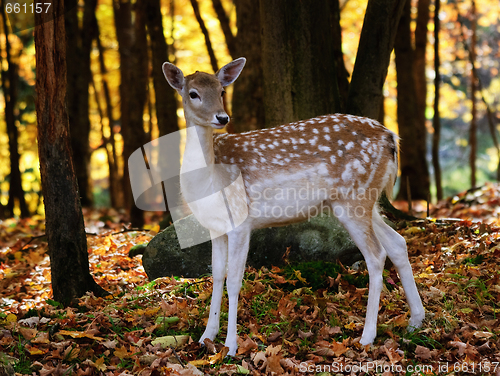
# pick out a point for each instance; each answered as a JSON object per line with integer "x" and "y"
{"x": 420, "y": 60}
{"x": 204, "y": 30}
{"x": 79, "y": 44}
{"x": 473, "y": 89}
{"x": 342, "y": 73}
{"x": 411, "y": 131}
{"x": 9, "y": 87}
{"x": 134, "y": 63}
{"x": 248, "y": 103}
{"x": 115, "y": 193}
{"x": 166, "y": 104}
{"x": 372, "y": 60}
{"x": 298, "y": 60}
{"x": 64, "y": 220}
{"x": 226, "y": 28}
{"x": 436, "y": 121}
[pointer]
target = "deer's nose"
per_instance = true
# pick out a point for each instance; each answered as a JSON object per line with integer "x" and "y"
{"x": 222, "y": 119}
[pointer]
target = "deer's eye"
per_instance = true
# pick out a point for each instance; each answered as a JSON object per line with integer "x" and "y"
{"x": 193, "y": 95}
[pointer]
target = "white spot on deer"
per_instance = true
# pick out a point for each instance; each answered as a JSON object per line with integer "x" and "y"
{"x": 287, "y": 160}
{"x": 263, "y": 160}
{"x": 349, "y": 145}
{"x": 336, "y": 128}
{"x": 326, "y": 129}
{"x": 277, "y": 156}
{"x": 313, "y": 140}
{"x": 327, "y": 137}
{"x": 324, "y": 148}
{"x": 295, "y": 147}
{"x": 307, "y": 151}
{"x": 364, "y": 143}
{"x": 285, "y": 141}
{"x": 354, "y": 133}
{"x": 276, "y": 143}
{"x": 357, "y": 165}
{"x": 231, "y": 160}
{"x": 271, "y": 146}
{"x": 245, "y": 148}
{"x": 294, "y": 141}
{"x": 341, "y": 142}
{"x": 322, "y": 169}
{"x": 302, "y": 141}
{"x": 340, "y": 152}
{"x": 347, "y": 174}
{"x": 323, "y": 120}
{"x": 315, "y": 131}
{"x": 332, "y": 159}
{"x": 263, "y": 147}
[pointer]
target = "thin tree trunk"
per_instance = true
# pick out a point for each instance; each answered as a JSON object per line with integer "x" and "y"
{"x": 208, "y": 43}
{"x": 64, "y": 220}
{"x": 226, "y": 28}
{"x": 436, "y": 121}
{"x": 342, "y": 73}
{"x": 247, "y": 101}
{"x": 132, "y": 40}
{"x": 114, "y": 180}
{"x": 473, "y": 89}
{"x": 79, "y": 44}
{"x": 166, "y": 104}
{"x": 9, "y": 86}
{"x": 372, "y": 60}
{"x": 412, "y": 130}
{"x": 420, "y": 60}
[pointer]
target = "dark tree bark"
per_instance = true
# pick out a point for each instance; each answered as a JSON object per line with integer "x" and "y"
{"x": 342, "y": 73}
{"x": 412, "y": 131}
{"x": 419, "y": 58}
{"x": 247, "y": 102}
{"x": 436, "y": 121}
{"x": 9, "y": 87}
{"x": 300, "y": 79}
{"x": 166, "y": 104}
{"x": 372, "y": 60}
{"x": 133, "y": 44}
{"x": 79, "y": 44}
{"x": 114, "y": 180}
{"x": 473, "y": 89}
{"x": 208, "y": 43}
{"x": 64, "y": 220}
{"x": 226, "y": 28}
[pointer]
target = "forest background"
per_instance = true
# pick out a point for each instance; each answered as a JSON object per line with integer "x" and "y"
{"x": 115, "y": 49}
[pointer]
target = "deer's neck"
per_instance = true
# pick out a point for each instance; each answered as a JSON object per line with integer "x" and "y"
{"x": 197, "y": 171}
{"x": 199, "y": 150}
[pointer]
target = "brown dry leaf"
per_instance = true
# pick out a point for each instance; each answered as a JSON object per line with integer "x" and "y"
{"x": 246, "y": 346}
{"x": 219, "y": 357}
{"x": 42, "y": 337}
{"x": 460, "y": 346}
{"x": 423, "y": 353}
{"x": 27, "y": 333}
{"x": 76, "y": 334}
{"x": 274, "y": 357}
{"x": 121, "y": 353}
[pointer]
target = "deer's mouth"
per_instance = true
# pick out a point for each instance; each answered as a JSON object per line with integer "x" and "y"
{"x": 218, "y": 125}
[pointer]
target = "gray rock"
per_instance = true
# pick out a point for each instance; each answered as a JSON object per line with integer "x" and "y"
{"x": 320, "y": 238}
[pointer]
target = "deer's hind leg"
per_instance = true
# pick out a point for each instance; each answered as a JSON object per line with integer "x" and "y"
{"x": 395, "y": 246}
{"x": 362, "y": 233}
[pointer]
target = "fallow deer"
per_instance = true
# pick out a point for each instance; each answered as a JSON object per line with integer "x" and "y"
{"x": 340, "y": 162}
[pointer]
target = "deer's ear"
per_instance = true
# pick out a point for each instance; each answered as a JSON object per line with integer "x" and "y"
{"x": 230, "y": 72}
{"x": 174, "y": 76}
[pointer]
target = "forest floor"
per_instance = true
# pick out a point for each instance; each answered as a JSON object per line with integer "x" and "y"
{"x": 294, "y": 320}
